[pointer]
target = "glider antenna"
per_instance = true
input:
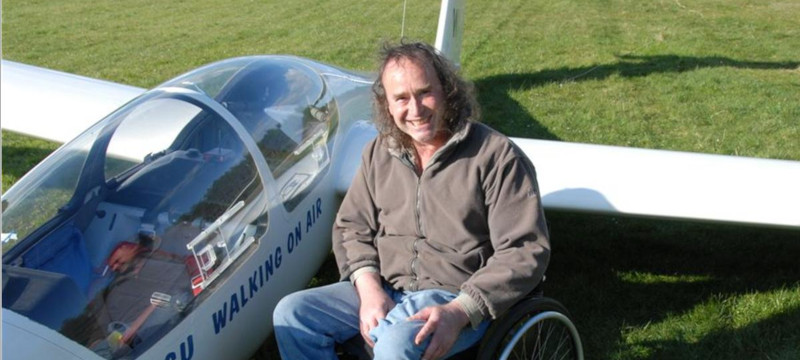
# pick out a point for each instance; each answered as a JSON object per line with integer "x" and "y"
{"x": 403, "y": 25}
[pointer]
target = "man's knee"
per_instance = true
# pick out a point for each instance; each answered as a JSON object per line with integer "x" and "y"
{"x": 288, "y": 308}
{"x": 333, "y": 305}
{"x": 397, "y": 341}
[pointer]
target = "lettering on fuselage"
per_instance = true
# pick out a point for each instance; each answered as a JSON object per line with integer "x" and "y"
{"x": 294, "y": 238}
{"x": 187, "y": 351}
{"x": 266, "y": 269}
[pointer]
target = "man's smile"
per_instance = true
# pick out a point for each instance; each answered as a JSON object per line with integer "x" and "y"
{"x": 419, "y": 122}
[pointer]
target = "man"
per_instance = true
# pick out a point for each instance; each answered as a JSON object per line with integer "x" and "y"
{"x": 136, "y": 306}
{"x": 441, "y": 231}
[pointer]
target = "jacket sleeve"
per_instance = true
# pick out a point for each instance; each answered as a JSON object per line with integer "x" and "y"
{"x": 518, "y": 232}
{"x": 356, "y": 225}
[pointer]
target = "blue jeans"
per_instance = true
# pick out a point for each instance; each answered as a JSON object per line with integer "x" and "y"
{"x": 309, "y": 323}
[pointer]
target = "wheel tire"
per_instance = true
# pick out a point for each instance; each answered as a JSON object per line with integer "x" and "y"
{"x": 548, "y": 333}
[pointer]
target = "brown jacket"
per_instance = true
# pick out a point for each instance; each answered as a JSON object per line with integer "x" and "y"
{"x": 471, "y": 222}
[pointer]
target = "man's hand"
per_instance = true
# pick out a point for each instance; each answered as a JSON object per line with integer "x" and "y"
{"x": 375, "y": 304}
{"x": 444, "y": 322}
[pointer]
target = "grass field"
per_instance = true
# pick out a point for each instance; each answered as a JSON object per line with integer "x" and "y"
{"x": 716, "y": 76}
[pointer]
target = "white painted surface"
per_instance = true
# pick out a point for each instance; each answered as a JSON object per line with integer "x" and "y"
{"x": 666, "y": 184}
{"x": 55, "y": 105}
{"x": 450, "y": 30}
{"x": 25, "y": 339}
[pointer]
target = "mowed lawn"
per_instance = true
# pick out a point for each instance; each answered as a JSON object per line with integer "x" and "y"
{"x": 715, "y": 76}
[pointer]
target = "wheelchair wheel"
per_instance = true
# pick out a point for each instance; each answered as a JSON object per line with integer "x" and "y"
{"x": 537, "y": 328}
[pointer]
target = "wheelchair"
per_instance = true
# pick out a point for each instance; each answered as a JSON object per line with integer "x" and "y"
{"x": 536, "y": 328}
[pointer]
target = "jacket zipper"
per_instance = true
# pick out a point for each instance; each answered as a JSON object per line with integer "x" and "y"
{"x": 415, "y": 258}
{"x": 413, "y": 286}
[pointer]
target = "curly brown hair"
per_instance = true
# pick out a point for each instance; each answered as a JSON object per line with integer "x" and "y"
{"x": 460, "y": 102}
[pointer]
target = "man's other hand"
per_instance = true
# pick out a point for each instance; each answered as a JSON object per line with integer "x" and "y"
{"x": 444, "y": 322}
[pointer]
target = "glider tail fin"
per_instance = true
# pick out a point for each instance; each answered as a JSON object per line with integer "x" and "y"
{"x": 451, "y": 30}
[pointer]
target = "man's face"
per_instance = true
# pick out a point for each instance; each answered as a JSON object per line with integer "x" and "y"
{"x": 122, "y": 258}
{"x": 416, "y": 100}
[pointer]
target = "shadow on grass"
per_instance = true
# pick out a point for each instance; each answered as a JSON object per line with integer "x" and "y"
{"x": 504, "y": 113}
{"x": 618, "y": 275}
{"x": 754, "y": 341}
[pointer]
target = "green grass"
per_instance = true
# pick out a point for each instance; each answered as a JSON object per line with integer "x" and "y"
{"x": 716, "y": 76}
{"x": 719, "y": 76}
{"x": 20, "y": 154}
